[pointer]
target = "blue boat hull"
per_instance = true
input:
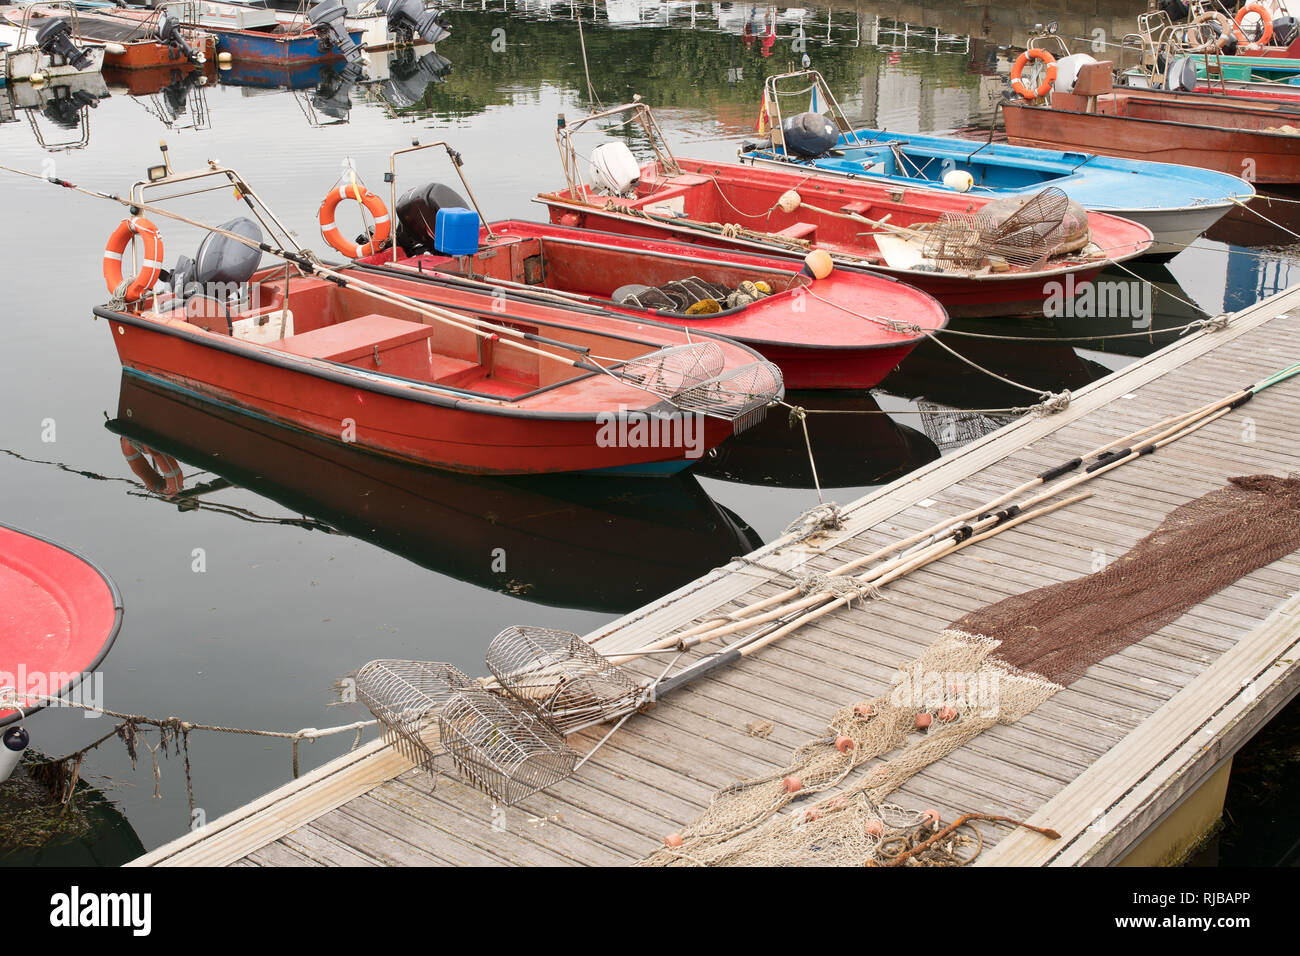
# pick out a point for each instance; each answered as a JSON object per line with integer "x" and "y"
{"x": 252, "y": 46}
{"x": 1177, "y": 203}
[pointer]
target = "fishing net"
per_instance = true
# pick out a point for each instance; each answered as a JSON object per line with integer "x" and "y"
{"x": 1199, "y": 549}
{"x": 958, "y": 687}
{"x": 1009, "y": 233}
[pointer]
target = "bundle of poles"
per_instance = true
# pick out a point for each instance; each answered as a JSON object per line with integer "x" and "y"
{"x": 762, "y": 623}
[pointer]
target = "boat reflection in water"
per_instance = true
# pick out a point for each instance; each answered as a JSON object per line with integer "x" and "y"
{"x": 854, "y": 442}
{"x": 594, "y": 543}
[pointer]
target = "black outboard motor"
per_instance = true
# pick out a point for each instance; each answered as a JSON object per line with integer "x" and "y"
{"x": 417, "y": 213}
{"x": 409, "y": 78}
{"x": 329, "y": 19}
{"x": 1177, "y": 9}
{"x": 333, "y": 96}
{"x": 55, "y": 39}
{"x": 169, "y": 32}
{"x": 809, "y": 135}
{"x": 408, "y": 19}
{"x": 65, "y": 111}
{"x": 1285, "y": 30}
{"x": 221, "y": 266}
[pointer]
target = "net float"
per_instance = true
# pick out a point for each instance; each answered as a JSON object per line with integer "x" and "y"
{"x": 792, "y": 784}
{"x": 930, "y": 817}
{"x": 947, "y": 714}
{"x": 673, "y": 840}
{"x": 874, "y": 828}
{"x": 863, "y": 710}
{"x": 843, "y": 744}
{"x": 923, "y": 720}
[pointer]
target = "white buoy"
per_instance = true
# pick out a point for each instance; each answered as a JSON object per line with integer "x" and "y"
{"x": 37, "y": 80}
{"x": 224, "y": 60}
{"x": 114, "y": 48}
{"x": 959, "y": 180}
{"x": 12, "y": 744}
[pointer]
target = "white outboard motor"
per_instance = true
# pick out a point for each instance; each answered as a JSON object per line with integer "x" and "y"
{"x": 809, "y": 135}
{"x": 329, "y": 19}
{"x": 1067, "y": 71}
{"x": 12, "y": 744}
{"x": 614, "y": 169}
{"x": 169, "y": 32}
{"x": 408, "y": 19}
{"x": 55, "y": 39}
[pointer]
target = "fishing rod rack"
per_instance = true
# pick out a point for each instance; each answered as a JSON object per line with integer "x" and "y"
{"x": 640, "y": 116}
{"x": 506, "y": 736}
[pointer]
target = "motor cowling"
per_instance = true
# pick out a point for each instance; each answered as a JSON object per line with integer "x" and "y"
{"x": 329, "y": 19}
{"x": 409, "y": 78}
{"x": 417, "y": 214}
{"x": 169, "y": 32}
{"x": 221, "y": 266}
{"x": 333, "y": 95}
{"x": 408, "y": 19}
{"x": 1285, "y": 30}
{"x": 614, "y": 169}
{"x": 54, "y": 38}
{"x": 809, "y": 135}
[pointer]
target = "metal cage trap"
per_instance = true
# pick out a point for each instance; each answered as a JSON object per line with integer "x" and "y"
{"x": 506, "y": 738}
{"x": 1023, "y": 238}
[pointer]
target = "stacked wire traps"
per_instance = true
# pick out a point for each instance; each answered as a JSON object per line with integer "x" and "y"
{"x": 1020, "y": 233}
{"x": 507, "y": 741}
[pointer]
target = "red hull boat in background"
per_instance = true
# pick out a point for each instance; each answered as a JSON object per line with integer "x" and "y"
{"x": 862, "y": 225}
{"x": 844, "y": 331}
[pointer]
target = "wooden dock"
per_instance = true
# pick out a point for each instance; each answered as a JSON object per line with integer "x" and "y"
{"x": 1128, "y": 763}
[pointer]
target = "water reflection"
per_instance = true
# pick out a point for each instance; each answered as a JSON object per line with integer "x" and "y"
{"x": 540, "y": 539}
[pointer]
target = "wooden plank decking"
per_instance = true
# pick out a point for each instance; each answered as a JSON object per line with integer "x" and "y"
{"x": 1103, "y": 761}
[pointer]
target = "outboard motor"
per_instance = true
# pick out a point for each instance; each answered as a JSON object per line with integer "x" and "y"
{"x": 1178, "y": 10}
{"x": 417, "y": 214}
{"x": 329, "y": 19}
{"x": 65, "y": 111}
{"x": 809, "y": 135}
{"x": 409, "y": 78}
{"x": 334, "y": 95}
{"x": 55, "y": 39}
{"x": 408, "y": 19}
{"x": 169, "y": 32}
{"x": 614, "y": 169}
{"x": 1285, "y": 30}
{"x": 222, "y": 266}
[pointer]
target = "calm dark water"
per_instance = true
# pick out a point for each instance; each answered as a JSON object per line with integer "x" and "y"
{"x": 317, "y": 560}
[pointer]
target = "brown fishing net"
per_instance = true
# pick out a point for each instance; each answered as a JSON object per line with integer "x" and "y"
{"x": 1020, "y": 232}
{"x": 958, "y": 687}
{"x": 1199, "y": 549}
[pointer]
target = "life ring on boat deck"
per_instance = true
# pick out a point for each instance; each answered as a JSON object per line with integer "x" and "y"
{"x": 127, "y": 230}
{"x": 1043, "y": 88}
{"x": 1264, "y": 16}
{"x": 1227, "y": 32}
{"x": 160, "y": 473}
{"x": 374, "y": 205}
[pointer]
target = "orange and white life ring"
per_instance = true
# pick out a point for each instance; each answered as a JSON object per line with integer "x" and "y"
{"x": 160, "y": 473}
{"x": 1215, "y": 44}
{"x": 127, "y": 230}
{"x": 1264, "y": 16}
{"x": 374, "y": 205}
{"x": 1043, "y": 88}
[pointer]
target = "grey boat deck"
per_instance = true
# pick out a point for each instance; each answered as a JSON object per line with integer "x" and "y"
{"x": 1103, "y": 762}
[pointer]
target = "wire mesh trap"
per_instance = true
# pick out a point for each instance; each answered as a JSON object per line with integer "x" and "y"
{"x": 668, "y": 371}
{"x": 734, "y": 395}
{"x": 405, "y": 697}
{"x": 1021, "y": 233}
{"x": 560, "y": 677}
{"x": 504, "y": 750}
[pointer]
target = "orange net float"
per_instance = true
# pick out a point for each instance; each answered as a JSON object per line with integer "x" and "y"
{"x": 329, "y": 229}
{"x": 1043, "y": 88}
{"x": 127, "y": 231}
{"x": 1264, "y": 15}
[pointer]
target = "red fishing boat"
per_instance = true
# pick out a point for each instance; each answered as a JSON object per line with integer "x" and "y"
{"x": 526, "y": 389}
{"x": 846, "y": 330}
{"x": 59, "y": 616}
{"x": 863, "y": 226}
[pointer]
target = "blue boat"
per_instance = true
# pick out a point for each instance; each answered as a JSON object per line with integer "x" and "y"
{"x": 301, "y": 49}
{"x": 1177, "y": 203}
